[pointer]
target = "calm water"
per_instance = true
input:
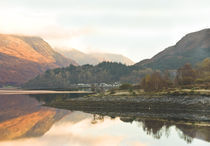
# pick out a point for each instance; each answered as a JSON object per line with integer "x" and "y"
{"x": 24, "y": 121}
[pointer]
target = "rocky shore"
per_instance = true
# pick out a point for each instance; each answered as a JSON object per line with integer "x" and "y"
{"x": 189, "y": 107}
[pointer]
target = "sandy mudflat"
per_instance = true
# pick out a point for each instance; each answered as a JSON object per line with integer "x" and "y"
{"x": 19, "y": 91}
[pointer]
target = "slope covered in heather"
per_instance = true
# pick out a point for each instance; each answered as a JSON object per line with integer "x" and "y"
{"x": 22, "y": 58}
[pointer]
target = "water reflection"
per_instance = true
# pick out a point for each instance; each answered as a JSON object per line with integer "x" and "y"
{"x": 21, "y": 116}
{"x": 158, "y": 128}
{"x": 23, "y": 122}
{"x": 49, "y": 98}
{"x": 77, "y": 128}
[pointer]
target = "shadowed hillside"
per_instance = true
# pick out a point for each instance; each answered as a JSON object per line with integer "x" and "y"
{"x": 192, "y": 48}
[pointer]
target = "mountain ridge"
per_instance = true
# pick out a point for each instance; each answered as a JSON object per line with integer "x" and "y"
{"x": 46, "y": 50}
{"x": 24, "y": 57}
{"x": 94, "y": 58}
{"x": 192, "y": 48}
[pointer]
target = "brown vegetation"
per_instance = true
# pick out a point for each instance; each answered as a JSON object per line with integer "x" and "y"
{"x": 186, "y": 77}
{"x": 22, "y": 58}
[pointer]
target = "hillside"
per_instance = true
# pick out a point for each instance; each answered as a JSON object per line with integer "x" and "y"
{"x": 105, "y": 72}
{"x": 94, "y": 58}
{"x": 42, "y": 47}
{"x": 192, "y": 48}
{"x": 80, "y": 57}
{"x": 113, "y": 58}
{"x": 22, "y": 58}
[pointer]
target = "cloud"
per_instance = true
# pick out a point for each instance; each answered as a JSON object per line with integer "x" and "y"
{"x": 56, "y": 32}
{"x": 106, "y": 25}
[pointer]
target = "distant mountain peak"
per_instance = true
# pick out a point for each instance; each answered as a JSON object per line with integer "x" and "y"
{"x": 94, "y": 58}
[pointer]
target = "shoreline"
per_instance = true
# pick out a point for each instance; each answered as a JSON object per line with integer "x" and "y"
{"x": 21, "y": 91}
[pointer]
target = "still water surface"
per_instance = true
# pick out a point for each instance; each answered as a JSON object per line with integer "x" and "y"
{"x": 25, "y": 122}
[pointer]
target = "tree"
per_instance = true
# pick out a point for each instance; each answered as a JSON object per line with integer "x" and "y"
{"x": 153, "y": 82}
{"x": 166, "y": 78}
{"x": 125, "y": 86}
{"x": 203, "y": 73}
{"x": 185, "y": 75}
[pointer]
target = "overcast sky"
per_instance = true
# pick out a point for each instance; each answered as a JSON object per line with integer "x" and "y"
{"x": 137, "y": 29}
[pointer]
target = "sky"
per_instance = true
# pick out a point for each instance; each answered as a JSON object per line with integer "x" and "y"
{"x": 138, "y": 29}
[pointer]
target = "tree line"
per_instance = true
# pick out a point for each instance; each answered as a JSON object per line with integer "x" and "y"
{"x": 109, "y": 72}
{"x": 186, "y": 77}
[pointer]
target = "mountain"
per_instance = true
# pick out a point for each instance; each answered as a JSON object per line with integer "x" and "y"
{"x": 94, "y": 58}
{"x": 23, "y": 57}
{"x": 80, "y": 57}
{"x": 192, "y": 48}
{"x": 112, "y": 58}
{"x": 42, "y": 47}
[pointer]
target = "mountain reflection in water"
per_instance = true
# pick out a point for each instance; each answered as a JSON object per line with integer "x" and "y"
{"x": 21, "y": 116}
{"x": 23, "y": 122}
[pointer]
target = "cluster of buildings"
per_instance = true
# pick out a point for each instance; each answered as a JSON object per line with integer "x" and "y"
{"x": 92, "y": 86}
